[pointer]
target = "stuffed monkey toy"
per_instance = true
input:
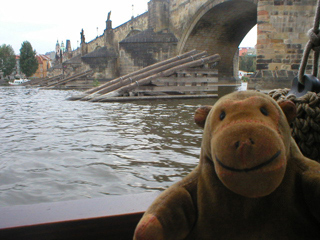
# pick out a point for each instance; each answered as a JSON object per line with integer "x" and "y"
{"x": 252, "y": 182}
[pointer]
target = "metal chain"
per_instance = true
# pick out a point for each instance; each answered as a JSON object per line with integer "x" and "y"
{"x": 314, "y": 44}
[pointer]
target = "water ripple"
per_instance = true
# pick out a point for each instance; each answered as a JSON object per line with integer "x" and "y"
{"x": 54, "y": 150}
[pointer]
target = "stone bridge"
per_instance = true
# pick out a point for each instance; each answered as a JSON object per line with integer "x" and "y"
{"x": 172, "y": 27}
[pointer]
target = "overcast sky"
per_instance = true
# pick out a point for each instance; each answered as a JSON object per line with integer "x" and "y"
{"x": 42, "y": 23}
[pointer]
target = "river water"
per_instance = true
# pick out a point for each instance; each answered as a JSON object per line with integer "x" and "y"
{"x": 55, "y": 150}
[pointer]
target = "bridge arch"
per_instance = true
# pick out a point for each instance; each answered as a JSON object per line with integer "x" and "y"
{"x": 219, "y": 27}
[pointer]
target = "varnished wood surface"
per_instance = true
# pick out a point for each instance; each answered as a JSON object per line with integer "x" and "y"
{"x": 101, "y": 218}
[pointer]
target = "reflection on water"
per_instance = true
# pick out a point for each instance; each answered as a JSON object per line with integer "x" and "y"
{"x": 54, "y": 150}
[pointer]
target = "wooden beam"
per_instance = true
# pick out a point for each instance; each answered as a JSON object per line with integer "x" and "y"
{"x": 143, "y": 70}
{"x": 136, "y": 75}
{"x": 123, "y": 82}
{"x": 129, "y": 87}
{"x": 71, "y": 78}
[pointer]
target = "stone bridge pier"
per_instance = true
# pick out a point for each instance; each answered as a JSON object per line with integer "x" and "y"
{"x": 172, "y": 27}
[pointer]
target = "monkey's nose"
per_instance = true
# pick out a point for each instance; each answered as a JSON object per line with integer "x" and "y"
{"x": 249, "y": 141}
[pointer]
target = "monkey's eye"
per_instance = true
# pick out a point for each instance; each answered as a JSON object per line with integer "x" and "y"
{"x": 264, "y": 111}
{"x": 222, "y": 115}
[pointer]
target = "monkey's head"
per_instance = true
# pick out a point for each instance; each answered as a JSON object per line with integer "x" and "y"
{"x": 247, "y": 137}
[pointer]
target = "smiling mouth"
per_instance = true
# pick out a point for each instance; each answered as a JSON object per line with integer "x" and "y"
{"x": 249, "y": 169}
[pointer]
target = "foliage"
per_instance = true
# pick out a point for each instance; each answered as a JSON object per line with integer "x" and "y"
{"x": 245, "y": 79}
{"x": 7, "y": 59}
{"x": 28, "y": 61}
{"x": 247, "y": 63}
{"x": 96, "y": 82}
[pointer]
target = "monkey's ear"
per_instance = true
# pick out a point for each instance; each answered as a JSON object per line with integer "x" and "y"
{"x": 289, "y": 109}
{"x": 201, "y": 114}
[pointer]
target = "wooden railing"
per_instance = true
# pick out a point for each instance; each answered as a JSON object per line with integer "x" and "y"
{"x": 113, "y": 217}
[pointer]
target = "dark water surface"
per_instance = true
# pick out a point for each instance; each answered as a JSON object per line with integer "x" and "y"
{"x": 55, "y": 150}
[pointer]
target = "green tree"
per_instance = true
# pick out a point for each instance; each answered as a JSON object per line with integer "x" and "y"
{"x": 28, "y": 61}
{"x": 7, "y": 59}
{"x": 247, "y": 63}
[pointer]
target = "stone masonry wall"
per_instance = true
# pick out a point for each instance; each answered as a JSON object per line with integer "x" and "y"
{"x": 282, "y": 28}
{"x": 139, "y": 23}
{"x": 97, "y": 42}
{"x": 126, "y": 63}
{"x": 158, "y": 11}
{"x": 181, "y": 12}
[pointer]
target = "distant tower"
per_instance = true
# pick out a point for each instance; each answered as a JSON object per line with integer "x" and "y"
{"x": 68, "y": 46}
{"x": 58, "y": 52}
{"x": 63, "y": 48}
{"x": 83, "y": 39}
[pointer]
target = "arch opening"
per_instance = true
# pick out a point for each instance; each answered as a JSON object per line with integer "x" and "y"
{"x": 220, "y": 29}
{"x": 250, "y": 40}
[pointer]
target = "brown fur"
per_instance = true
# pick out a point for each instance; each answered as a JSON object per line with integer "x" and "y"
{"x": 252, "y": 182}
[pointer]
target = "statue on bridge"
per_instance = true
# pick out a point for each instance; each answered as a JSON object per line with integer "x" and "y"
{"x": 82, "y": 36}
{"x": 109, "y": 22}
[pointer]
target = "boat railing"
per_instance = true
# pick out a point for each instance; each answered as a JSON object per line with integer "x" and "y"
{"x": 113, "y": 217}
